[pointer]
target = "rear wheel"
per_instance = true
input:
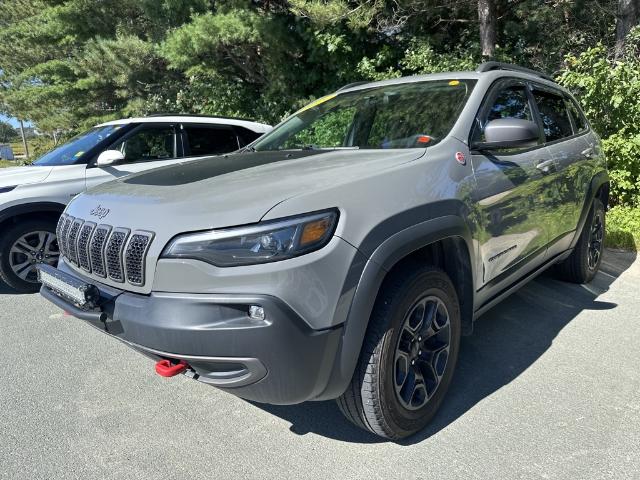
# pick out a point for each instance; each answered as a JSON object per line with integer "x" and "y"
{"x": 22, "y": 247}
{"x": 408, "y": 357}
{"x": 583, "y": 263}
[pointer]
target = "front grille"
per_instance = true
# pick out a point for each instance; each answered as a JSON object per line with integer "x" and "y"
{"x": 96, "y": 250}
{"x": 103, "y": 250}
{"x": 61, "y": 222}
{"x": 113, "y": 254}
{"x": 72, "y": 240}
{"x": 64, "y": 231}
{"x": 135, "y": 255}
{"x": 83, "y": 245}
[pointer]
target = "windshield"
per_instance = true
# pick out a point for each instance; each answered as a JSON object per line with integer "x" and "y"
{"x": 406, "y": 115}
{"x": 69, "y": 152}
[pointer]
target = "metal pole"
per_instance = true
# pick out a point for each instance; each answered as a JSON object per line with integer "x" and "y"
{"x": 24, "y": 140}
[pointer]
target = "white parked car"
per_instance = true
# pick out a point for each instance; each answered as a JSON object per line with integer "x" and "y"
{"x": 33, "y": 197}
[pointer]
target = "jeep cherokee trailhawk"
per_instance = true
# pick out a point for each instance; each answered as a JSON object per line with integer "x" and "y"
{"x": 343, "y": 254}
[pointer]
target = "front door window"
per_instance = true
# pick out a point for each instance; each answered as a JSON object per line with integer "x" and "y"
{"x": 148, "y": 144}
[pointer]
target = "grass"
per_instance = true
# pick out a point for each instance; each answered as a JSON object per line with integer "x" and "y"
{"x": 623, "y": 228}
{"x": 9, "y": 163}
{"x": 18, "y": 148}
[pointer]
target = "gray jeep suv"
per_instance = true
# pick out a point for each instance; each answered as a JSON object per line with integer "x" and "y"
{"x": 343, "y": 254}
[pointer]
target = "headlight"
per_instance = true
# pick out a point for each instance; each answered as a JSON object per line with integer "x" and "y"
{"x": 261, "y": 243}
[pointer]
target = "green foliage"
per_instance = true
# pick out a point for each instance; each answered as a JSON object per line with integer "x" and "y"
{"x": 623, "y": 159}
{"x": 69, "y": 64}
{"x": 609, "y": 91}
{"x": 357, "y": 15}
{"x": 421, "y": 57}
{"x": 623, "y": 228}
{"x": 7, "y": 132}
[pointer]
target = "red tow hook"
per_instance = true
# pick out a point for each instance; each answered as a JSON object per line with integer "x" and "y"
{"x": 165, "y": 368}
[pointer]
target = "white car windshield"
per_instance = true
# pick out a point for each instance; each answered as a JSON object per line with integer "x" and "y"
{"x": 69, "y": 152}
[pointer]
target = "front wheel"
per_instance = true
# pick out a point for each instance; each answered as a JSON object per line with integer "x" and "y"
{"x": 22, "y": 247}
{"x": 408, "y": 357}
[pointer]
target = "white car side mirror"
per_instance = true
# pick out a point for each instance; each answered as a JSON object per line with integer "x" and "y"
{"x": 109, "y": 157}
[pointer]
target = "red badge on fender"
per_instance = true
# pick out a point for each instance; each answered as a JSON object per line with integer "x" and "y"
{"x": 460, "y": 158}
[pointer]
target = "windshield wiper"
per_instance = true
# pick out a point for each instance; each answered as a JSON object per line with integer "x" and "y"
{"x": 314, "y": 147}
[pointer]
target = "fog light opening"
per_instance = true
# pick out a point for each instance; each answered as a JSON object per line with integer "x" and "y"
{"x": 256, "y": 312}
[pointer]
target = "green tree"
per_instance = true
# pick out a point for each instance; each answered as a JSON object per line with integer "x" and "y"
{"x": 7, "y": 132}
{"x": 609, "y": 91}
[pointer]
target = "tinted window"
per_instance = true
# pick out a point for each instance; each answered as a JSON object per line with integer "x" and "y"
{"x": 511, "y": 102}
{"x": 148, "y": 144}
{"x": 204, "y": 140}
{"x": 246, "y": 136}
{"x": 554, "y": 115}
{"x": 578, "y": 118}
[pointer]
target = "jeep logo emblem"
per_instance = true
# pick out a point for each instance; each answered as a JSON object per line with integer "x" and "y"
{"x": 100, "y": 212}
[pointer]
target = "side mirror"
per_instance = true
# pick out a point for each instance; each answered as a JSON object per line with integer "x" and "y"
{"x": 109, "y": 157}
{"x": 508, "y": 133}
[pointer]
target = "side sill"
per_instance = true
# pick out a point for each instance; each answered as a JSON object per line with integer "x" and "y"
{"x": 492, "y": 302}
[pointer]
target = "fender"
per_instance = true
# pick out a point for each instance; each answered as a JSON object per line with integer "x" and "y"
{"x": 599, "y": 179}
{"x": 377, "y": 266}
{"x": 34, "y": 207}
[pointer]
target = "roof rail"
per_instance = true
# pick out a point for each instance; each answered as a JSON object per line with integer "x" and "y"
{"x": 488, "y": 66}
{"x": 349, "y": 85}
{"x": 221, "y": 117}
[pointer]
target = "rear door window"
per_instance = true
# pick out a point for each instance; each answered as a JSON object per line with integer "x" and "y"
{"x": 202, "y": 140}
{"x": 554, "y": 115}
{"x": 578, "y": 118}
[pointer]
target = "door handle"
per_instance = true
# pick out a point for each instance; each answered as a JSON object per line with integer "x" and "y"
{"x": 587, "y": 152}
{"x": 546, "y": 166}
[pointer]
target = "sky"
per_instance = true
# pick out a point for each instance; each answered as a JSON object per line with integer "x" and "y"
{"x": 12, "y": 121}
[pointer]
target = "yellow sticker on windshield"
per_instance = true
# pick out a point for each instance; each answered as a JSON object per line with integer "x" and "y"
{"x": 317, "y": 102}
{"x": 453, "y": 83}
{"x": 78, "y": 154}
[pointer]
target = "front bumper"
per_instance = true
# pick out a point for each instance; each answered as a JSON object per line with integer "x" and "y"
{"x": 279, "y": 360}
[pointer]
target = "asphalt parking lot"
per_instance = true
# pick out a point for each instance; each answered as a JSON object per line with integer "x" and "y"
{"x": 548, "y": 387}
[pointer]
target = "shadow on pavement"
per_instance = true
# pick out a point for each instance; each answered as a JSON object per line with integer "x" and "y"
{"x": 506, "y": 341}
{"x": 6, "y": 290}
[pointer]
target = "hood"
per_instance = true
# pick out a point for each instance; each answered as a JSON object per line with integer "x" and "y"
{"x": 14, "y": 176}
{"x": 229, "y": 190}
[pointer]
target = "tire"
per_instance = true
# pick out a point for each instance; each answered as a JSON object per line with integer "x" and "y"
{"x": 373, "y": 400}
{"x": 17, "y": 261}
{"x": 583, "y": 263}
